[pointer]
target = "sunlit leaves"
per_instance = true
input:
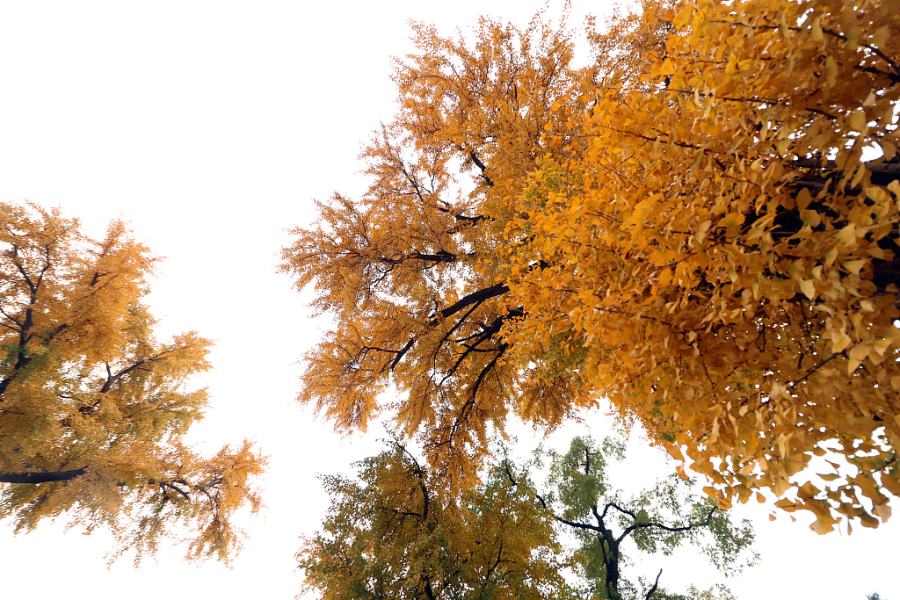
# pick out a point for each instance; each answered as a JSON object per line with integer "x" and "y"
{"x": 691, "y": 227}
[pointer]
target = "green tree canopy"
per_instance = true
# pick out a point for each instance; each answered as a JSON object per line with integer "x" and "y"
{"x": 610, "y": 526}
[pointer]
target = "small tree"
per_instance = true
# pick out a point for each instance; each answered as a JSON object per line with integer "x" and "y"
{"x": 660, "y": 519}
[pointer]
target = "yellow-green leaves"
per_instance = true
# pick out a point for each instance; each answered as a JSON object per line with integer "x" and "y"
{"x": 398, "y": 534}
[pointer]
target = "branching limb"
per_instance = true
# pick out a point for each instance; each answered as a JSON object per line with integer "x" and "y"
{"x": 655, "y": 586}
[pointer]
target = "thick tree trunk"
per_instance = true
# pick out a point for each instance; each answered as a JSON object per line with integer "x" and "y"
{"x": 612, "y": 568}
{"x": 42, "y": 477}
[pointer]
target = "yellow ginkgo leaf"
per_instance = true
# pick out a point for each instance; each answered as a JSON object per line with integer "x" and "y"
{"x": 858, "y": 121}
{"x": 808, "y": 287}
{"x": 854, "y": 266}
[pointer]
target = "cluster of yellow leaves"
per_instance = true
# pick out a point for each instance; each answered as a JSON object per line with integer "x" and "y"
{"x": 720, "y": 259}
{"x": 92, "y": 407}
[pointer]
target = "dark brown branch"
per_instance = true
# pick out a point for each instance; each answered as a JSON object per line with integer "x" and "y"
{"x": 463, "y": 218}
{"x": 482, "y": 336}
{"x": 113, "y": 379}
{"x": 11, "y": 318}
{"x": 481, "y": 166}
{"x": 655, "y": 586}
{"x": 875, "y": 50}
{"x": 890, "y": 168}
{"x": 166, "y": 485}
{"x": 41, "y": 477}
{"x": 22, "y": 360}
{"x": 420, "y": 475}
{"x": 402, "y": 352}
{"x": 439, "y": 257}
{"x": 479, "y": 296}
{"x": 501, "y": 349}
{"x": 663, "y": 527}
{"x": 459, "y": 323}
{"x": 813, "y": 370}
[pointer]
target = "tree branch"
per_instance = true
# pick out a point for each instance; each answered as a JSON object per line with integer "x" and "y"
{"x": 481, "y": 166}
{"x": 666, "y": 527}
{"x": 655, "y": 585}
{"x": 41, "y": 477}
{"x": 481, "y": 295}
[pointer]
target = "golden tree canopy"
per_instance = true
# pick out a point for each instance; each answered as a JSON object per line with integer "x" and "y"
{"x": 92, "y": 407}
{"x": 689, "y": 226}
{"x": 410, "y": 270}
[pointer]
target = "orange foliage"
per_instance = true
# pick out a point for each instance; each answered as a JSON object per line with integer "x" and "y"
{"x": 409, "y": 270}
{"x": 687, "y": 227}
{"x": 92, "y": 407}
{"x": 722, "y": 259}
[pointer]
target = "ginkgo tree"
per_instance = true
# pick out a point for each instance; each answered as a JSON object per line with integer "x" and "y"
{"x": 689, "y": 227}
{"x": 93, "y": 407}
{"x": 396, "y": 532}
{"x": 409, "y": 270}
{"x": 612, "y": 529}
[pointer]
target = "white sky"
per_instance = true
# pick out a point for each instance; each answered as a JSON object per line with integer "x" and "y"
{"x": 211, "y": 126}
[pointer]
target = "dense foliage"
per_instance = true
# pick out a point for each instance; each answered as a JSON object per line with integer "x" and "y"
{"x": 395, "y": 532}
{"x": 92, "y": 407}
{"x": 687, "y": 227}
{"x": 410, "y": 269}
{"x": 721, "y": 259}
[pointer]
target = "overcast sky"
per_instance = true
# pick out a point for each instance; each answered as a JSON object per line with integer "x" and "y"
{"x": 211, "y": 127}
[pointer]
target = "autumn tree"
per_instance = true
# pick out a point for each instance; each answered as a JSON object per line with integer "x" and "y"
{"x": 394, "y": 533}
{"x": 410, "y": 271}
{"x": 93, "y": 407}
{"x": 720, "y": 243}
{"x": 687, "y": 227}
